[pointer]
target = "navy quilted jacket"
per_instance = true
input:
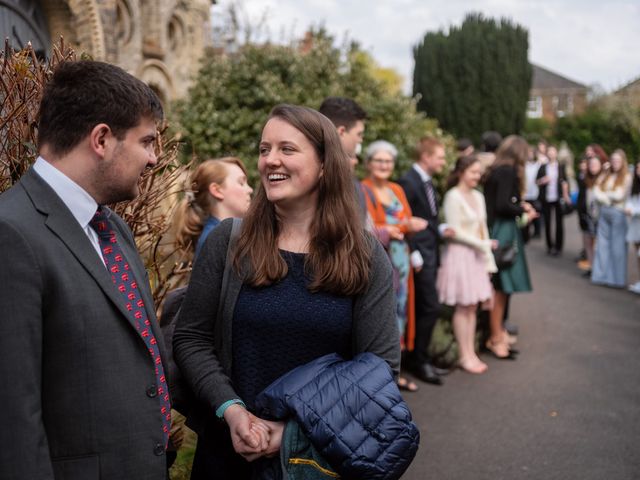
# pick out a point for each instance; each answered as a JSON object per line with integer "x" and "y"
{"x": 351, "y": 411}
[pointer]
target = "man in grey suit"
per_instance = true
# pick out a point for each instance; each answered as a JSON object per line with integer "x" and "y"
{"x": 83, "y": 390}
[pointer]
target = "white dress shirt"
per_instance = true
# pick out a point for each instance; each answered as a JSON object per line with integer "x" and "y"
{"x": 553, "y": 195}
{"x": 81, "y": 205}
{"x": 530, "y": 176}
{"x": 425, "y": 177}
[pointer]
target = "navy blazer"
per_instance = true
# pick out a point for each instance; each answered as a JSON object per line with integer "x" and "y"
{"x": 426, "y": 241}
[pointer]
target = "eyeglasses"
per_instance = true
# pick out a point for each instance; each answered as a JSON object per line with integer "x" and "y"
{"x": 382, "y": 161}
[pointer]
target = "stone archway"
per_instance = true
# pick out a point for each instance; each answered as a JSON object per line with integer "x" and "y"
{"x": 156, "y": 74}
{"x": 80, "y": 22}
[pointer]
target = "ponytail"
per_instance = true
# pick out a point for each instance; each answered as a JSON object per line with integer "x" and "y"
{"x": 198, "y": 202}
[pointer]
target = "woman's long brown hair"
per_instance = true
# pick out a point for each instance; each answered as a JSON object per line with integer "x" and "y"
{"x": 339, "y": 258}
{"x": 621, "y": 175}
{"x": 513, "y": 151}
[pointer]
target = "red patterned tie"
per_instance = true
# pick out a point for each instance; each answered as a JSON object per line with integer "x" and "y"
{"x": 123, "y": 279}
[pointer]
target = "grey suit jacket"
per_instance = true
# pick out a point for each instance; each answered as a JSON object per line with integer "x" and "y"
{"x": 77, "y": 380}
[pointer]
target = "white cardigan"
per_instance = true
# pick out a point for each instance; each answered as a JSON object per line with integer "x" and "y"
{"x": 610, "y": 196}
{"x": 470, "y": 226}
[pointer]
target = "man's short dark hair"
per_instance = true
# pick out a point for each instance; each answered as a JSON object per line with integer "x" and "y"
{"x": 82, "y": 94}
{"x": 343, "y": 112}
{"x": 463, "y": 143}
{"x": 491, "y": 141}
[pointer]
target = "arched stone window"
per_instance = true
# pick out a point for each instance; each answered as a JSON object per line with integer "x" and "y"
{"x": 22, "y": 21}
{"x": 124, "y": 22}
{"x": 176, "y": 34}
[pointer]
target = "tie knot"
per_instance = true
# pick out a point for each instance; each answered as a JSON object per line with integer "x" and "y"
{"x": 100, "y": 222}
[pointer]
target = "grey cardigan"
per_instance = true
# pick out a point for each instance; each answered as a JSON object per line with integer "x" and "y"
{"x": 202, "y": 339}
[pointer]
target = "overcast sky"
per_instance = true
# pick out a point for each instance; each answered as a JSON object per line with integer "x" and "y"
{"x": 589, "y": 41}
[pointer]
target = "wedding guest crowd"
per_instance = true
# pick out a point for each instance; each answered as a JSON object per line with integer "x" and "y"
{"x": 313, "y": 265}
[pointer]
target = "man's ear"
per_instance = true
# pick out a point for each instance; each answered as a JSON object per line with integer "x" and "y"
{"x": 341, "y": 130}
{"x": 99, "y": 138}
{"x": 215, "y": 191}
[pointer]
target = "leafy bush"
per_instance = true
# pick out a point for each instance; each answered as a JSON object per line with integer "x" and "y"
{"x": 614, "y": 127}
{"x": 232, "y": 96}
{"x": 536, "y": 129}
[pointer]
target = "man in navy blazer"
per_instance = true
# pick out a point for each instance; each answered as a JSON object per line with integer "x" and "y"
{"x": 423, "y": 200}
{"x": 81, "y": 390}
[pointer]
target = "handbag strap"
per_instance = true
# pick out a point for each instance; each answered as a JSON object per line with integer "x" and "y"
{"x": 228, "y": 264}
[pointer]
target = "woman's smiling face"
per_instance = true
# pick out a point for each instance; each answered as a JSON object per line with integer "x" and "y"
{"x": 289, "y": 166}
{"x": 380, "y": 165}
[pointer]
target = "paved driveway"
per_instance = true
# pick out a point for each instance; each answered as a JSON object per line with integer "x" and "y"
{"x": 568, "y": 408}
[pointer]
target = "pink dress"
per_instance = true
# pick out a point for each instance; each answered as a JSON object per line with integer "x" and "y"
{"x": 463, "y": 277}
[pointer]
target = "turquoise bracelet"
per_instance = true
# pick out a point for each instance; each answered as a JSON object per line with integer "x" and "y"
{"x": 223, "y": 408}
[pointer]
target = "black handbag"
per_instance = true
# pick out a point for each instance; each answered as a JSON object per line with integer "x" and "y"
{"x": 505, "y": 255}
{"x": 566, "y": 207}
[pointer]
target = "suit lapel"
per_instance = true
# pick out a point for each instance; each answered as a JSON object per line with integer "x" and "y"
{"x": 422, "y": 194}
{"x": 62, "y": 224}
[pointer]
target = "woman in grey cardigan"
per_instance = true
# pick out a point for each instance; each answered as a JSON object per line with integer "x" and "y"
{"x": 306, "y": 280}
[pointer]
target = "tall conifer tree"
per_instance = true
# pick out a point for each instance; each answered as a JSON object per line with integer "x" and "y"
{"x": 475, "y": 77}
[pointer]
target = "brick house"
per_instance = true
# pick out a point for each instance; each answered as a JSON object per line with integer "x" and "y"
{"x": 553, "y": 96}
{"x": 629, "y": 94}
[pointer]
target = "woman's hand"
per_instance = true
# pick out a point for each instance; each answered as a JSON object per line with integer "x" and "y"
{"x": 448, "y": 233}
{"x": 276, "y": 430}
{"x": 416, "y": 224}
{"x": 530, "y": 211}
{"x": 394, "y": 232}
{"x": 249, "y": 436}
{"x": 543, "y": 180}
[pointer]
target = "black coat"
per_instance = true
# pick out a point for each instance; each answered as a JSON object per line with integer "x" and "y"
{"x": 562, "y": 179}
{"x": 502, "y": 194}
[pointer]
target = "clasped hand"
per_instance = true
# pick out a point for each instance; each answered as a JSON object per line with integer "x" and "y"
{"x": 251, "y": 436}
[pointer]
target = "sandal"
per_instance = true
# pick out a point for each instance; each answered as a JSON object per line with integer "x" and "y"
{"x": 500, "y": 350}
{"x": 406, "y": 385}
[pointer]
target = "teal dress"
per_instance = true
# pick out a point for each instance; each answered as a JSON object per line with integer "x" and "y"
{"x": 515, "y": 278}
{"x": 502, "y": 194}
